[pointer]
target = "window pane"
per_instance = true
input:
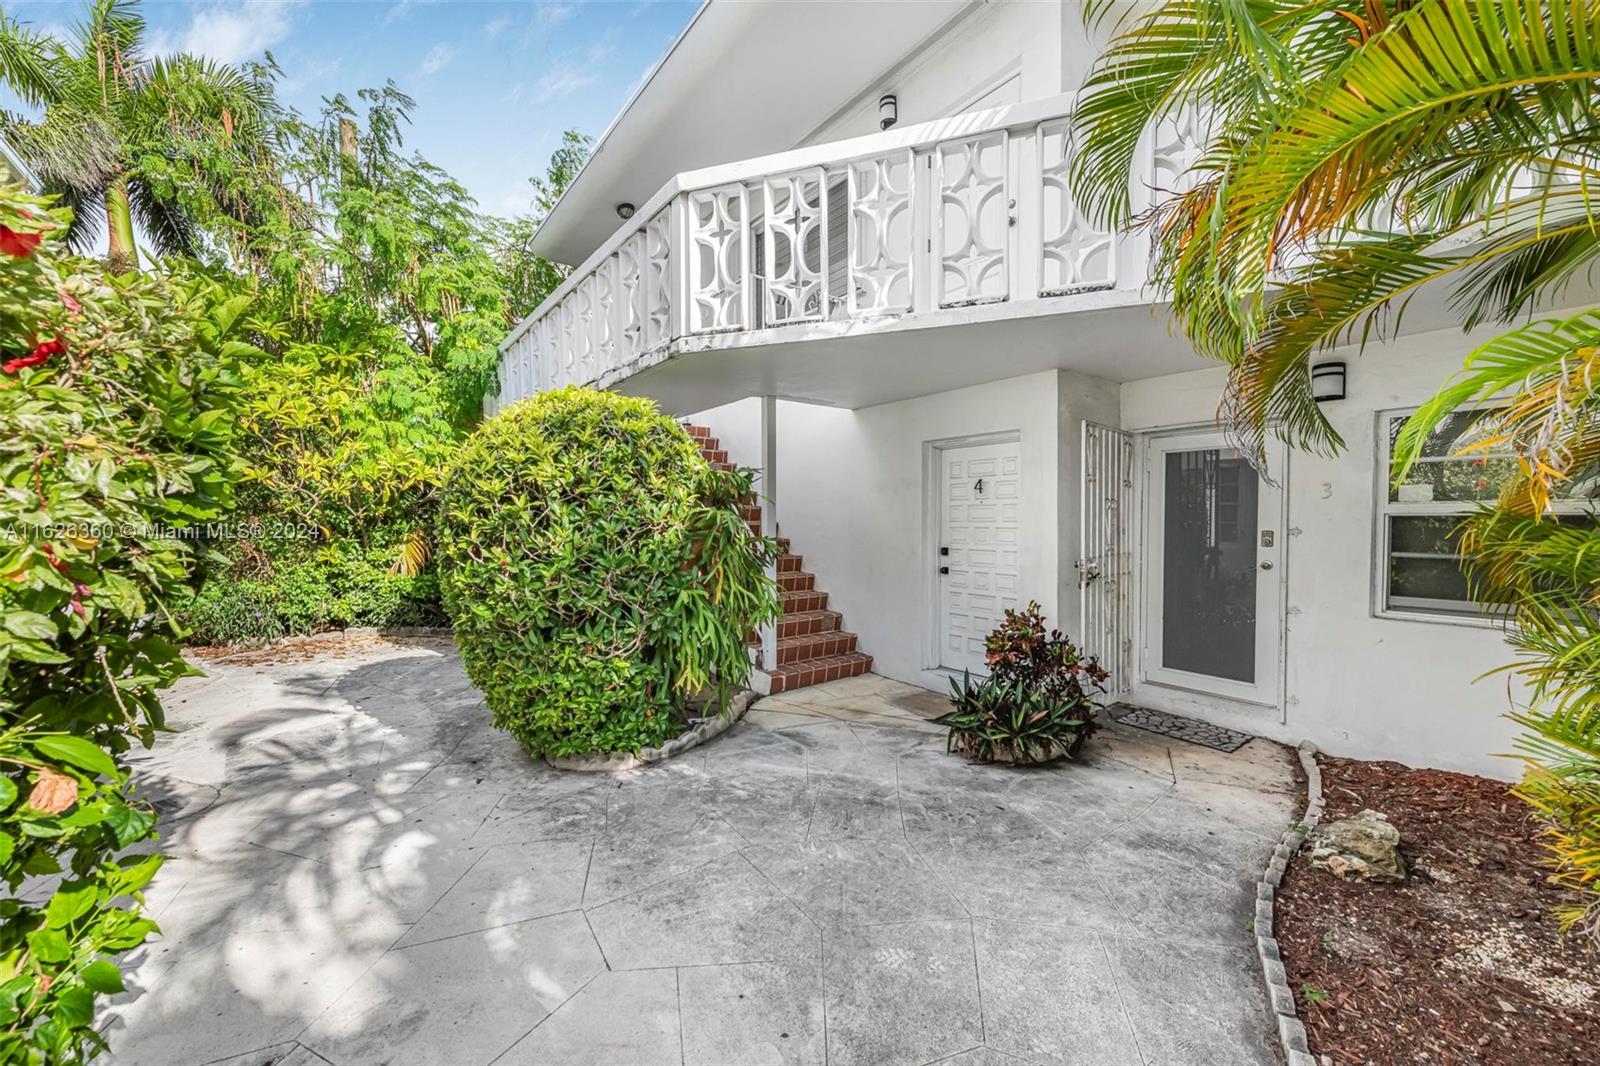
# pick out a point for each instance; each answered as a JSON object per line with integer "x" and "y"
{"x": 1466, "y": 480}
{"x": 1426, "y": 579}
{"x": 1446, "y": 439}
{"x": 1426, "y": 534}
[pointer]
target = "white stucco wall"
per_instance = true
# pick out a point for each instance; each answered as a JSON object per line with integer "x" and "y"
{"x": 1358, "y": 684}
{"x": 999, "y": 41}
{"x": 853, "y": 499}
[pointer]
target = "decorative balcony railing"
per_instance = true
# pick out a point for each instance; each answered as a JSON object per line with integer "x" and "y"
{"x": 973, "y": 209}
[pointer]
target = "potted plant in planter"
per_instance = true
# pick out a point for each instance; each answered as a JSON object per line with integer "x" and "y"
{"x": 1035, "y": 706}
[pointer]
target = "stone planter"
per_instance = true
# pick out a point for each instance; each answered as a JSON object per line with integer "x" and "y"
{"x": 611, "y": 762}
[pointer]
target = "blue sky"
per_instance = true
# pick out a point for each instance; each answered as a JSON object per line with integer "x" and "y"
{"x": 496, "y": 83}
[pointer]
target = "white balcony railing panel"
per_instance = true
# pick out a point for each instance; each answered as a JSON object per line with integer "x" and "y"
{"x": 1076, "y": 255}
{"x": 974, "y": 219}
{"x": 795, "y": 249}
{"x": 881, "y": 235}
{"x": 719, "y": 259}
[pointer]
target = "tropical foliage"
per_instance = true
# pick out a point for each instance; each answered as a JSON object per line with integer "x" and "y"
{"x": 116, "y": 399}
{"x": 1035, "y": 705}
{"x": 125, "y": 137}
{"x": 1358, "y": 155}
{"x": 598, "y": 572}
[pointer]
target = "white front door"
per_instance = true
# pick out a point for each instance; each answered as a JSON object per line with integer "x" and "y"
{"x": 980, "y": 488}
{"x": 1214, "y": 567}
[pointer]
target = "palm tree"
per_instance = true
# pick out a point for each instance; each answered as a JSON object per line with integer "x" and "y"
{"x": 176, "y": 143}
{"x": 1357, "y": 153}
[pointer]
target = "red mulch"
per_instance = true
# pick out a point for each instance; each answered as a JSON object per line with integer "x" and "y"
{"x": 1462, "y": 962}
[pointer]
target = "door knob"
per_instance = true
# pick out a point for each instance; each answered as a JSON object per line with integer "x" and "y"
{"x": 944, "y": 569}
{"x": 1266, "y": 564}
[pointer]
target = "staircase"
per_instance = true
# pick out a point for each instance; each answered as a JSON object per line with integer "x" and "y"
{"x": 812, "y": 648}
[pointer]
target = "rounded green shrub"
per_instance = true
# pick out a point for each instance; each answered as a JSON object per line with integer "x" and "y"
{"x": 597, "y": 572}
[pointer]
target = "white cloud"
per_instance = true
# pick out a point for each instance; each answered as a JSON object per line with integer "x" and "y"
{"x": 308, "y": 75}
{"x": 562, "y": 80}
{"x": 438, "y": 57}
{"x": 554, "y": 14}
{"x": 496, "y": 26}
{"x": 230, "y": 33}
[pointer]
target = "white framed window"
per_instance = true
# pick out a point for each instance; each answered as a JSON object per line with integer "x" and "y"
{"x": 1418, "y": 571}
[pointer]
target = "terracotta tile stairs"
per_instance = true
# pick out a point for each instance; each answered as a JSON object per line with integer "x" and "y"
{"x": 812, "y": 648}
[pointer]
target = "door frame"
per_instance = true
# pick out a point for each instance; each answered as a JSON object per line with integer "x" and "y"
{"x": 1156, "y": 685}
{"x": 933, "y": 525}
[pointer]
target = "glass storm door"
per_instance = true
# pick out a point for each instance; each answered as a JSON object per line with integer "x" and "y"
{"x": 1214, "y": 566}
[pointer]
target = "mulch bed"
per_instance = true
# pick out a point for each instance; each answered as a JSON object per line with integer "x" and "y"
{"x": 1462, "y": 962}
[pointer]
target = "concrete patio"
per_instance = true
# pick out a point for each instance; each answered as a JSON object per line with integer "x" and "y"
{"x": 363, "y": 871}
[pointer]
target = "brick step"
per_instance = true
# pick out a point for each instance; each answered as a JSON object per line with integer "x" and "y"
{"x": 714, "y": 456}
{"x": 816, "y": 671}
{"x": 697, "y": 432}
{"x": 750, "y": 513}
{"x": 783, "y": 545}
{"x": 804, "y": 623}
{"x": 814, "y": 646}
{"x": 800, "y": 602}
{"x": 788, "y": 564}
{"x": 797, "y": 581}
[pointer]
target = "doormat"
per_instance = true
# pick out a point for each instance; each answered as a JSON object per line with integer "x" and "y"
{"x": 1179, "y": 727}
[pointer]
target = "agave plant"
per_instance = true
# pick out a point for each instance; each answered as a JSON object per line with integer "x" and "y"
{"x": 1359, "y": 152}
{"x": 994, "y": 721}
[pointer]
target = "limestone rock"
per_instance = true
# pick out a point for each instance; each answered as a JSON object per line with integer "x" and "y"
{"x": 1363, "y": 848}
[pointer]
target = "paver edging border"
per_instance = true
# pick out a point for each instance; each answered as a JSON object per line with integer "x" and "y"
{"x": 1291, "y": 1031}
{"x": 612, "y": 763}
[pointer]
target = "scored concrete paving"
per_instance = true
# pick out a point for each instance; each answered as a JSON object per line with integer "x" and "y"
{"x": 363, "y": 871}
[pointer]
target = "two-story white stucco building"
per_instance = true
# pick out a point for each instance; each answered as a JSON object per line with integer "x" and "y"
{"x": 839, "y": 236}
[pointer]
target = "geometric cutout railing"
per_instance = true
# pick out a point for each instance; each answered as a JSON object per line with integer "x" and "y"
{"x": 974, "y": 220}
{"x": 795, "y": 247}
{"x": 657, "y": 282}
{"x": 1077, "y": 255}
{"x": 632, "y": 297}
{"x": 881, "y": 239}
{"x": 911, "y": 228}
{"x": 1178, "y": 144}
{"x": 718, "y": 258}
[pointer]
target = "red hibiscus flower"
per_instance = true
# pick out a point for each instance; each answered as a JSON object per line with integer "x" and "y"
{"x": 40, "y": 355}
{"x": 20, "y": 245}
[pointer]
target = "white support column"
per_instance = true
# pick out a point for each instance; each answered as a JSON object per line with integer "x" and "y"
{"x": 767, "y": 494}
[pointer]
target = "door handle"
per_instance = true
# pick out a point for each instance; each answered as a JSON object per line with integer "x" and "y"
{"x": 944, "y": 569}
{"x": 1266, "y": 564}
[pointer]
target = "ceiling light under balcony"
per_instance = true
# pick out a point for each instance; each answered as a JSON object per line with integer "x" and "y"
{"x": 625, "y": 211}
{"x": 888, "y": 111}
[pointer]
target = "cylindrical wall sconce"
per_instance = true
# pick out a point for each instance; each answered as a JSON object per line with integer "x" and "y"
{"x": 888, "y": 111}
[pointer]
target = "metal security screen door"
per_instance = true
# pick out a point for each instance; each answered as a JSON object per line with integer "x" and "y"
{"x": 979, "y": 524}
{"x": 1214, "y": 565}
{"x": 1105, "y": 571}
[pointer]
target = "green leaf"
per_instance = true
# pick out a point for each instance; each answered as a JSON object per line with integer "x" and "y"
{"x": 78, "y": 752}
{"x": 50, "y": 945}
{"x": 8, "y": 792}
{"x": 75, "y": 1007}
{"x": 30, "y": 625}
{"x": 102, "y": 975}
{"x": 71, "y": 902}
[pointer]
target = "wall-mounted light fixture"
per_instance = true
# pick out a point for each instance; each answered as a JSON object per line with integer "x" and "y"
{"x": 1327, "y": 381}
{"x": 888, "y": 111}
{"x": 624, "y": 211}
